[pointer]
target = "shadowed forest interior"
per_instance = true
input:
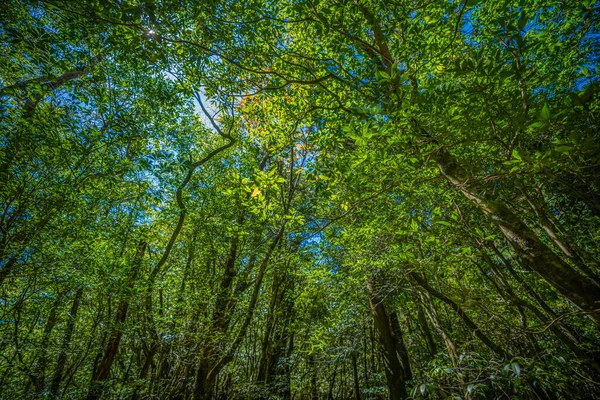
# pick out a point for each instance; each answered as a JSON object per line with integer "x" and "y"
{"x": 299, "y": 199}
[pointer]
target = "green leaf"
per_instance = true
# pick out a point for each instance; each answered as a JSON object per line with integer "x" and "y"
{"x": 564, "y": 149}
{"x": 516, "y": 368}
{"x": 545, "y": 114}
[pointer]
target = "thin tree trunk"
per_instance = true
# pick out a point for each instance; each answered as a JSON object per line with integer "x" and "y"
{"x": 433, "y": 317}
{"x": 555, "y": 327}
{"x": 207, "y": 372}
{"x": 39, "y": 370}
{"x": 114, "y": 340}
{"x": 314, "y": 391}
{"x": 543, "y": 305}
{"x": 400, "y": 346}
{"x": 267, "y": 342}
{"x": 332, "y": 382}
{"x": 66, "y": 343}
{"x": 355, "y": 377}
{"x": 463, "y": 316}
{"x": 564, "y": 245}
{"x": 431, "y": 346}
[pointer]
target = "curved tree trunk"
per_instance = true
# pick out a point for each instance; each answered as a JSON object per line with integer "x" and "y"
{"x": 579, "y": 289}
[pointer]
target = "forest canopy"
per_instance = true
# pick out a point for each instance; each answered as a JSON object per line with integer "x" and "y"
{"x": 300, "y": 199}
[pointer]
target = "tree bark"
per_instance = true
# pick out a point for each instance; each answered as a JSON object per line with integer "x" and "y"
{"x": 579, "y": 289}
{"x": 66, "y": 343}
{"x": 565, "y": 336}
{"x": 431, "y": 346}
{"x": 463, "y": 316}
{"x": 114, "y": 340}
{"x": 564, "y": 245}
{"x": 393, "y": 367}
{"x": 207, "y": 372}
{"x": 400, "y": 346}
{"x": 39, "y": 370}
{"x": 355, "y": 376}
{"x": 451, "y": 347}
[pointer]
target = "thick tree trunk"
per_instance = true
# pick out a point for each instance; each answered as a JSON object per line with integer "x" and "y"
{"x": 393, "y": 367}
{"x": 556, "y": 328}
{"x": 582, "y": 291}
{"x": 565, "y": 245}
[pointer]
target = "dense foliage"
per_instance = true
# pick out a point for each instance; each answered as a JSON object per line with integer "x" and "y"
{"x": 307, "y": 199}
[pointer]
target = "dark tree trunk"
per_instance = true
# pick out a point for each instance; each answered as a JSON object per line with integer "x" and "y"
{"x": 39, "y": 370}
{"x": 564, "y": 244}
{"x": 400, "y": 346}
{"x": 393, "y": 368}
{"x": 557, "y": 328}
{"x": 203, "y": 383}
{"x": 355, "y": 377}
{"x": 314, "y": 391}
{"x": 66, "y": 343}
{"x": 114, "y": 340}
{"x": 431, "y": 346}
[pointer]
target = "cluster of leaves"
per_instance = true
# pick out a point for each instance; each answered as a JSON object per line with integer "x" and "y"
{"x": 299, "y": 199}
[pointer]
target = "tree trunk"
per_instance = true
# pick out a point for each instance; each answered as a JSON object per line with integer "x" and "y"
{"x": 114, "y": 340}
{"x": 400, "y": 346}
{"x": 66, "y": 343}
{"x": 277, "y": 293}
{"x": 314, "y": 391}
{"x": 451, "y": 347}
{"x": 431, "y": 346}
{"x": 39, "y": 370}
{"x": 543, "y": 305}
{"x": 556, "y": 327}
{"x": 393, "y": 368}
{"x": 463, "y": 316}
{"x": 208, "y": 370}
{"x": 564, "y": 245}
{"x": 355, "y": 377}
{"x": 582, "y": 291}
